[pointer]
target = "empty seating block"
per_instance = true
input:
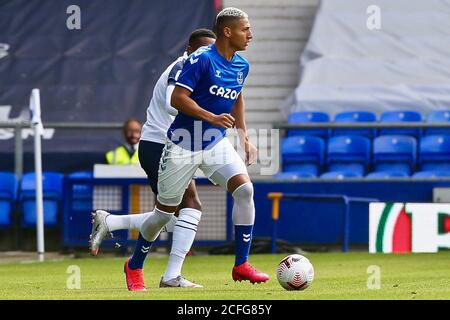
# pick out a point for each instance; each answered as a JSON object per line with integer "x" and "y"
{"x": 340, "y": 175}
{"x": 349, "y": 155}
{"x": 401, "y": 116}
{"x": 52, "y": 193}
{"x": 434, "y": 154}
{"x": 438, "y": 116}
{"x": 432, "y": 174}
{"x": 387, "y": 175}
{"x": 308, "y": 117}
{"x": 355, "y": 116}
{"x": 394, "y": 154}
{"x": 82, "y": 195}
{"x": 294, "y": 175}
{"x": 303, "y": 155}
{"x": 8, "y": 195}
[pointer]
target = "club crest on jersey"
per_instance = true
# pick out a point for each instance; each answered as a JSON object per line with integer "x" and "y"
{"x": 240, "y": 77}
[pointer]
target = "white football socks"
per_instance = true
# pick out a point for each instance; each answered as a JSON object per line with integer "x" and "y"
{"x": 170, "y": 225}
{"x": 134, "y": 221}
{"x": 126, "y": 221}
{"x": 183, "y": 237}
{"x": 153, "y": 223}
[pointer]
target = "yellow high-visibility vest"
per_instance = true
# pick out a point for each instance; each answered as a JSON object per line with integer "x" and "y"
{"x": 121, "y": 156}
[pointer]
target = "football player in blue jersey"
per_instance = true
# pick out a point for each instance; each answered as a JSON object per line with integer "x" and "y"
{"x": 160, "y": 115}
{"x": 208, "y": 95}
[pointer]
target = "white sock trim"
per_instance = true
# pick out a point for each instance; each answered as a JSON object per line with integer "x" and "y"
{"x": 194, "y": 213}
{"x": 163, "y": 212}
{"x": 188, "y": 218}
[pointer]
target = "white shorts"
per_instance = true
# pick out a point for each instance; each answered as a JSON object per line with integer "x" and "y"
{"x": 178, "y": 166}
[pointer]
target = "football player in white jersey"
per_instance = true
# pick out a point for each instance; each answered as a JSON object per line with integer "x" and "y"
{"x": 160, "y": 115}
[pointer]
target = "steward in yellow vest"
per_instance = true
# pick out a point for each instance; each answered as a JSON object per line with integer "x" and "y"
{"x": 127, "y": 153}
{"x": 121, "y": 155}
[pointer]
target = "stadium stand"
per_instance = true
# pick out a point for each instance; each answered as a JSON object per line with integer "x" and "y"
{"x": 432, "y": 174}
{"x": 353, "y": 158}
{"x": 355, "y": 116}
{"x": 309, "y": 117}
{"x": 438, "y": 116}
{"x": 395, "y": 153}
{"x": 52, "y": 191}
{"x": 82, "y": 195}
{"x": 8, "y": 196}
{"x": 401, "y": 116}
{"x": 387, "y": 175}
{"x": 348, "y": 154}
{"x": 294, "y": 175}
{"x": 303, "y": 155}
{"x": 434, "y": 153}
{"x": 340, "y": 175}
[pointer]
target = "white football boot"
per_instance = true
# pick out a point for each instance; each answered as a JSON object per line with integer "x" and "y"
{"x": 99, "y": 231}
{"x": 178, "y": 282}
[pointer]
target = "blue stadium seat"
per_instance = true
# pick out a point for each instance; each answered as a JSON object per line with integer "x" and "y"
{"x": 438, "y": 116}
{"x": 82, "y": 194}
{"x": 387, "y": 175}
{"x": 340, "y": 175}
{"x": 395, "y": 154}
{"x": 308, "y": 117}
{"x": 434, "y": 153}
{"x": 52, "y": 191}
{"x": 303, "y": 154}
{"x": 432, "y": 174}
{"x": 401, "y": 116}
{"x": 355, "y": 116}
{"x": 8, "y": 196}
{"x": 348, "y": 153}
{"x": 294, "y": 175}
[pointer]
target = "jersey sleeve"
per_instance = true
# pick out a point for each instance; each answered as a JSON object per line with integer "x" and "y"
{"x": 193, "y": 69}
{"x": 175, "y": 73}
{"x": 247, "y": 70}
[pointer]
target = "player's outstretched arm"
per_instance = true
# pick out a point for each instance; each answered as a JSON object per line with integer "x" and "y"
{"x": 238, "y": 113}
{"x": 182, "y": 101}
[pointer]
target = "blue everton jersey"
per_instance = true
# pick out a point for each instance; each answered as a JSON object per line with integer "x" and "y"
{"x": 215, "y": 84}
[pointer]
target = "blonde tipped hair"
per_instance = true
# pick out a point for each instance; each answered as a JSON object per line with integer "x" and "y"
{"x": 227, "y": 16}
{"x": 232, "y": 12}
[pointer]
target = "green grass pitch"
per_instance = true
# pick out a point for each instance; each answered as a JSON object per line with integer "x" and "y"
{"x": 337, "y": 276}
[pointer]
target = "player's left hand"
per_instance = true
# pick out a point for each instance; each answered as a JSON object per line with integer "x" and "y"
{"x": 251, "y": 153}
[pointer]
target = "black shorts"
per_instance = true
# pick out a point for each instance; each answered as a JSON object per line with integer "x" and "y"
{"x": 149, "y": 156}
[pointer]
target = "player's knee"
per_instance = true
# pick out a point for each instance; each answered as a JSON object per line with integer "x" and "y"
{"x": 244, "y": 192}
{"x": 244, "y": 207}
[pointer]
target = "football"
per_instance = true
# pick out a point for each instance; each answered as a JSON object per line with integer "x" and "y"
{"x": 295, "y": 272}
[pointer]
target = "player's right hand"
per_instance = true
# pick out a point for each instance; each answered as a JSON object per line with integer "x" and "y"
{"x": 224, "y": 120}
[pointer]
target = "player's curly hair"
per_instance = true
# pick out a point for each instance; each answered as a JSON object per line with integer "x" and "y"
{"x": 227, "y": 15}
{"x": 200, "y": 33}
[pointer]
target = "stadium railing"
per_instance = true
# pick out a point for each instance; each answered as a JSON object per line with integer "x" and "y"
{"x": 276, "y": 197}
{"x": 19, "y": 126}
{"x": 116, "y": 196}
